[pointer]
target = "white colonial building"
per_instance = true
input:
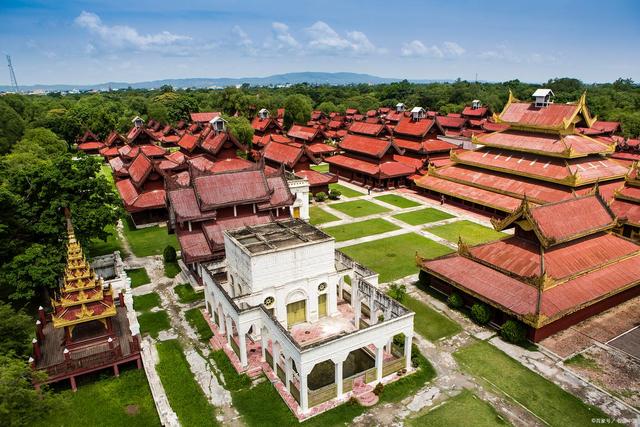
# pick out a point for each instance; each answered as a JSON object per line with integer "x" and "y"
{"x": 288, "y": 303}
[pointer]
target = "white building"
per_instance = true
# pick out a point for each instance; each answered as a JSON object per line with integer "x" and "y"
{"x": 285, "y": 298}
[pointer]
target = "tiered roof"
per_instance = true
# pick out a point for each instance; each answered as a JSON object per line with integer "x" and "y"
{"x": 626, "y": 201}
{"x": 82, "y": 296}
{"x": 562, "y": 258}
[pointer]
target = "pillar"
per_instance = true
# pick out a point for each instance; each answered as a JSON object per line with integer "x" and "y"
{"x": 275, "y": 352}
{"x": 407, "y": 350}
{"x": 41, "y": 316}
{"x": 288, "y": 373}
{"x": 37, "y": 352}
{"x": 373, "y": 319}
{"x": 221, "y": 321}
{"x": 379, "y": 361}
{"x": 338, "y": 379}
{"x": 72, "y": 380}
{"x": 121, "y": 298}
{"x": 355, "y": 301}
{"x": 227, "y": 319}
{"x": 263, "y": 345}
{"x": 304, "y": 392}
{"x": 242, "y": 346}
{"x": 39, "y": 332}
{"x": 116, "y": 371}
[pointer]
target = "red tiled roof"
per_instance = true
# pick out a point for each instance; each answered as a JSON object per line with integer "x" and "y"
{"x": 213, "y": 142}
{"x": 351, "y": 111}
{"x": 365, "y": 128}
{"x": 550, "y": 144}
{"x": 474, "y": 112}
{"x": 140, "y": 169}
{"x": 231, "y": 188}
{"x": 425, "y": 146}
{"x": 213, "y": 230}
{"x": 280, "y": 193}
{"x": 384, "y": 170}
{"x": 261, "y": 125}
{"x": 526, "y": 113}
{"x": 201, "y": 163}
{"x": 373, "y": 147}
{"x": 587, "y": 169}
{"x": 320, "y": 148}
{"x": 316, "y": 178}
{"x": 90, "y": 145}
{"x": 468, "y": 193}
{"x": 188, "y": 141}
{"x": 303, "y": 132}
{"x": 394, "y": 116}
{"x": 135, "y": 201}
{"x": 335, "y": 124}
{"x": 287, "y": 154}
{"x": 184, "y": 204}
{"x": 152, "y": 150}
{"x": 232, "y": 164}
{"x": 204, "y": 117}
{"x": 419, "y": 128}
{"x": 409, "y": 161}
{"x": 118, "y": 166}
{"x": 113, "y": 138}
{"x": 628, "y": 210}
{"x": 494, "y": 127}
{"x": 451, "y": 122}
{"x": 193, "y": 244}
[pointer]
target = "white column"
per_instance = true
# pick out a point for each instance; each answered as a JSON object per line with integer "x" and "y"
{"x": 288, "y": 373}
{"x": 263, "y": 345}
{"x": 407, "y": 350}
{"x": 229, "y": 329}
{"x": 338, "y": 379}
{"x": 304, "y": 393}
{"x": 221, "y": 320}
{"x": 379, "y": 361}
{"x": 276, "y": 355}
{"x": 373, "y": 319}
{"x": 242, "y": 346}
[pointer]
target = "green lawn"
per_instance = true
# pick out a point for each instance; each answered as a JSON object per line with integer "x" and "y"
{"x": 138, "y": 277}
{"x": 399, "y": 201}
{"x": 423, "y": 216}
{"x": 360, "y": 229}
{"x": 186, "y": 294}
{"x": 394, "y": 257}
{"x": 320, "y": 216}
{"x": 456, "y": 412}
{"x": 358, "y": 208}
{"x": 146, "y": 302}
{"x": 470, "y": 232}
{"x": 410, "y": 384}
{"x": 148, "y": 241}
{"x": 428, "y": 322}
{"x": 322, "y": 168}
{"x": 152, "y": 323}
{"x": 107, "y": 172}
{"x": 545, "y": 399}
{"x": 171, "y": 269}
{"x": 98, "y": 247}
{"x": 196, "y": 320}
{"x": 185, "y": 395}
{"x": 116, "y": 402}
{"x": 346, "y": 191}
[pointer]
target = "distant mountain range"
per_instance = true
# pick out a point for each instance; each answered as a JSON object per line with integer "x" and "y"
{"x": 316, "y": 78}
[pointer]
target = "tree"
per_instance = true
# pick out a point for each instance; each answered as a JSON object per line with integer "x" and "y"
{"x": 11, "y": 127}
{"x": 16, "y": 330}
{"x": 327, "y": 107}
{"x": 297, "y": 110}
{"x": 40, "y": 142}
{"x": 398, "y": 292}
{"x": 20, "y": 403}
{"x": 241, "y": 129}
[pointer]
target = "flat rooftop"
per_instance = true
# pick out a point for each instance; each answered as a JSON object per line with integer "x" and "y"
{"x": 277, "y": 235}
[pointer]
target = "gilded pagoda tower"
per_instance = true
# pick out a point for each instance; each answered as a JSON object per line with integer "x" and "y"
{"x": 83, "y": 306}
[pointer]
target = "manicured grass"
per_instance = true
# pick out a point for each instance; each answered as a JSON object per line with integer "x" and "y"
{"x": 320, "y": 216}
{"x": 360, "y": 229}
{"x": 423, "y": 216}
{"x": 358, "y": 208}
{"x": 146, "y": 302}
{"x": 152, "y": 323}
{"x": 470, "y": 232}
{"x": 107, "y": 172}
{"x": 186, "y": 294}
{"x": 410, "y": 384}
{"x": 399, "y": 201}
{"x": 197, "y": 322}
{"x": 394, "y": 257}
{"x": 148, "y": 241}
{"x": 456, "y": 412}
{"x": 98, "y": 247}
{"x": 428, "y": 322}
{"x": 233, "y": 381}
{"x": 138, "y": 277}
{"x": 125, "y": 400}
{"x": 346, "y": 191}
{"x": 171, "y": 269}
{"x": 185, "y": 395}
{"x": 545, "y": 399}
{"x": 322, "y": 168}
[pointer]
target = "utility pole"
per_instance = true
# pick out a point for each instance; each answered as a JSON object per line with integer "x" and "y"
{"x": 12, "y": 74}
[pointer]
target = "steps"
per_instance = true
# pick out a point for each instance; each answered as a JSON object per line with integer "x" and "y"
{"x": 367, "y": 399}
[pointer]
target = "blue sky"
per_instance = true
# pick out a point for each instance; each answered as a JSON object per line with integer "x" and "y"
{"x": 87, "y": 41}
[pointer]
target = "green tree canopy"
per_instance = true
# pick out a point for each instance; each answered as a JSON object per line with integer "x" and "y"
{"x": 241, "y": 129}
{"x": 11, "y": 127}
{"x": 297, "y": 109}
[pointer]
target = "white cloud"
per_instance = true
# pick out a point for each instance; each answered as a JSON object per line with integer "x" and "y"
{"x": 446, "y": 50}
{"x": 323, "y": 38}
{"x": 283, "y": 38}
{"x": 123, "y": 36}
{"x": 504, "y": 53}
{"x": 243, "y": 40}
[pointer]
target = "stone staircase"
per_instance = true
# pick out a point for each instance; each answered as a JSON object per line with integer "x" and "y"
{"x": 364, "y": 393}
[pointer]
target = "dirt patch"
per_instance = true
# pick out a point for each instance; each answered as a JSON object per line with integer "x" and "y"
{"x": 614, "y": 371}
{"x": 132, "y": 410}
{"x": 600, "y": 328}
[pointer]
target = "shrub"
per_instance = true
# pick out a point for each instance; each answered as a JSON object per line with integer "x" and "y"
{"x": 481, "y": 313}
{"x": 397, "y": 292}
{"x": 169, "y": 254}
{"x": 321, "y": 196}
{"x": 513, "y": 331}
{"x": 378, "y": 389}
{"x": 455, "y": 301}
{"x": 334, "y": 194}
